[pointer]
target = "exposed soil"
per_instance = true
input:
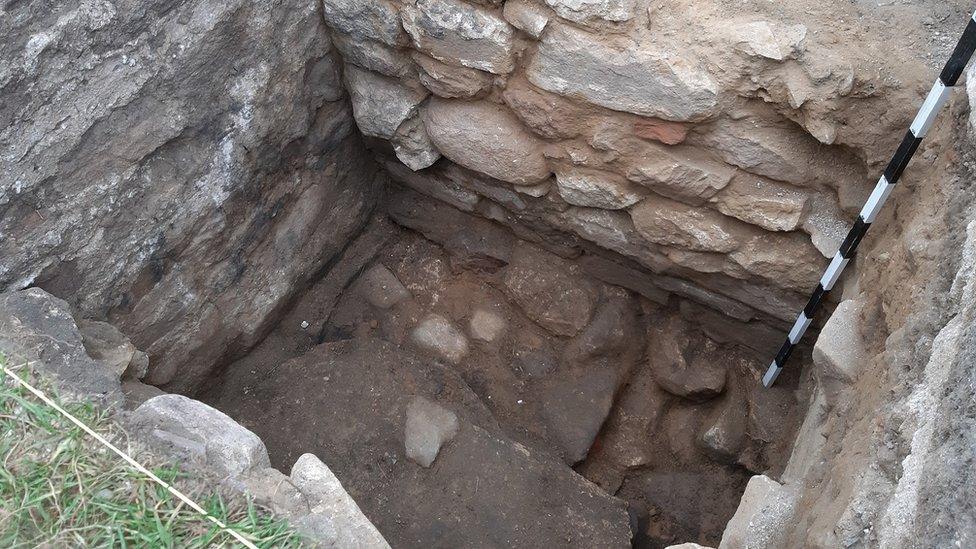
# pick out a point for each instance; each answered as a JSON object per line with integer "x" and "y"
{"x": 335, "y": 376}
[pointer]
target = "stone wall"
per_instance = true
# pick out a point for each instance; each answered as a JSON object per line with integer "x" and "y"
{"x": 883, "y": 458}
{"x": 723, "y": 165}
{"x": 180, "y": 167}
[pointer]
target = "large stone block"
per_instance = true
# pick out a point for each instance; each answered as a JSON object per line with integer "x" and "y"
{"x": 451, "y": 81}
{"x": 682, "y": 177}
{"x": 486, "y": 138}
{"x": 373, "y": 56}
{"x": 783, "y": 260}
{"x": 594, "y": 189}
{"x": 840, "y": 353}
{"x": 547, "y": 114}
{"x": 380, "y": 104}
{"x": 551, "y": 291}
{"x": 190, "y": 430}
{"x": 439, "y": 336}
{"x": 459, "y": 33}
{"x": 674, "y": 224}
{"x": 36, "y": 326}
{"x": 413, "y": 146}
{"x": 763, "y": 517}
{"x": 762, "y": 202}
{"x": 768, "y": 39}
{"x": 429, "y": 426}
{"x": 330, "y": 503}
{"x": 574, "y": 409}
{"x": 684, "y": 362}
{"x": 631, "y": 76}
{"x": 589, "y": 11}
{"x": 526, "y": 16}
{"x": 377, "y": 20}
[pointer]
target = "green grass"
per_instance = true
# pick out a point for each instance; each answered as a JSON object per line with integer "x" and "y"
{"x": 59, "y": 487}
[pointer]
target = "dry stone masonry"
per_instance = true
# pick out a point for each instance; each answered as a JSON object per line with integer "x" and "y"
{"x": 708, "y": 158}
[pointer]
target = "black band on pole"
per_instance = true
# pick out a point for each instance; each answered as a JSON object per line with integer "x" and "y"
{"x": 849, "y": 246}
{"x": 814, "y": 303}
{"x": 902, "y": 157}
{"x": 960, "y": 56}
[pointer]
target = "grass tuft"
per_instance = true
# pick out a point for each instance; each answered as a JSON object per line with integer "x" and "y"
{"x": 60, "y": 487}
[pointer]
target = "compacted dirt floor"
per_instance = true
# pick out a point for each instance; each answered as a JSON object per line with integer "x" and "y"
{"x": 554, "y": 377}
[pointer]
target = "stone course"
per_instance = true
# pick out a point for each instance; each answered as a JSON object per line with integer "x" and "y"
{"x": 580, "y": 107}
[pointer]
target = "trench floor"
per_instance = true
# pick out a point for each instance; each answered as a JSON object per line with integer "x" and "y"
{"x": 335, "y": 375}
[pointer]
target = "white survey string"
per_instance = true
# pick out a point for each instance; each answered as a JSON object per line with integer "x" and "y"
{"x": 138, "y": 466}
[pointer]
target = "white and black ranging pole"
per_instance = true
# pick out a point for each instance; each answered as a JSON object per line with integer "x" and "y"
{"x": 923, "y": 121}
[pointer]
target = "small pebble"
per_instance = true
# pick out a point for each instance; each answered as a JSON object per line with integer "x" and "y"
{"x": 304, "y": 324}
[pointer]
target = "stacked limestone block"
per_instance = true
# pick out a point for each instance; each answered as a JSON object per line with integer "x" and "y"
{"x": 723, "y": 153}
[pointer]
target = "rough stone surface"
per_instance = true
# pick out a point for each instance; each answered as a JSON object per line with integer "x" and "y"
{"x": 439, "y": 336}
{"x": 526, "y": 16}
{"x": 762, "y": 517}
{"x": 377, "y": 20}
{"x": 839, "y": 352}
{"x": 382, "y": 288}
{"x": 486, "y": 325}
{"x": 413, "y": 146}
{"x": 674, "y": 224}
{"x": 762, "y": 202}
{"x": 213, "y": 136}
{"x": 826, "y": 225}
{"x": 586, "y": 11}
{"x": 770, "y": 40}
{"x": 575, "y": 408}
{"x": 36, "y": 326}
{"x": 546, "y": 114}
{"x": 459, "y": 33}
{"x": 274, "y": 490}
{"x": 429, "y": 427}
{"x": 551, "y": 292}
{"x": 373, "y": 56}
{"x": 766, "y": 256}
{"x": 107, "y": 344}
{"x": 190, "y": 430}
{"x": 330, "y": 502}
{"x": 638, "y": 78}
{"x": 934, "y": 499}
{"x": 451, "y": 81}
{"x": 685, "y": 364}
{"x": 596, "y": 190}
{"x": 688, "y": 179}
{"x": 723, "y": 436}
{"x": 380, "y": 104}
{"x": 484, "y": 137}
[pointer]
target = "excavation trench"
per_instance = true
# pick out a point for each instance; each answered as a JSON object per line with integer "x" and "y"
{"x": 555, "y": 376}
{"x": 556, "y": 242}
